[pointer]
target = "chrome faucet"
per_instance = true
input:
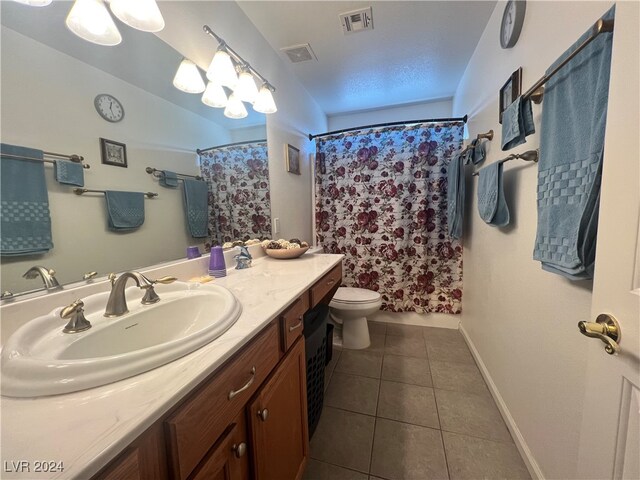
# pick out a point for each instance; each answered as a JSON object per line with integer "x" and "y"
{"x": 46, "y": 274}
{"x": 117, "y": 303}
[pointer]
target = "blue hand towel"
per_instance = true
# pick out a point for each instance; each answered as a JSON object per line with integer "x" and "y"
{"x": 492, "y": 204}
{"x": 68, "y": 173}
{"x": 455, "y": 196}
{"x": 169, "y": 179}
{"x": 476, "y": 152}
{"x": 196, "y": 195}
{"x": 24, "y": 203}
{"x": 570, "y": 166}
{"x": 125, "y": 210}
{"x": 517, "y": 123}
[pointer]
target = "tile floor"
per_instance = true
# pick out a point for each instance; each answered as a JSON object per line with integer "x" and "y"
{"x": 411, "y": 406}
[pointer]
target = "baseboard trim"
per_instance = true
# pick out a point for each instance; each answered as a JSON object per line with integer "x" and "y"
{"x": 442, "y": 320}
{"x": 521, "y": 444}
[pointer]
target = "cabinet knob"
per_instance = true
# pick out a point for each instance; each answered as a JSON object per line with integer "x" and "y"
{"x": 263, "y": 414}
{"x": 239, "y": 449}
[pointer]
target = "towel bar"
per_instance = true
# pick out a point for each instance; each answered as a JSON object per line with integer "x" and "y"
{"x": 158, "y": 174}
{"x": 80, "y": 191}
{"x": 528, "y": 156}
{"x": 74, "y": 158}
{"x": 536, "y": 92}
{"x": 488, "y": 135}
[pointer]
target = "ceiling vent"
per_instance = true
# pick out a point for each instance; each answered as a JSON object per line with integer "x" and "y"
{"x": 357, "y": 20}
{"x": 299, "y": 53}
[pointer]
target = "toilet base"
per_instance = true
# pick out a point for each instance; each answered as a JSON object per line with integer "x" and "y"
{"x": 355, "y": 333}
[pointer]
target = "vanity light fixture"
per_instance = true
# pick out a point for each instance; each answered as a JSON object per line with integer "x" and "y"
{"x": 214, "y": 96}
{"x": 264, "y": 102}
{"x": 140, "y": 14}
{"x": 246, "y": 89}
{"x": 35, "y": 3}
{"x": 90, "y": 20}
{"x": 188, "y": 78}
{"x": 235, "y": 108}
{"x": 221, "y": 70}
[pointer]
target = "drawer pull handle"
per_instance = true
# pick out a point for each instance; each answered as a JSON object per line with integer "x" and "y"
{"x": 297, "y": 325}
{"x": 263, "y": 414}
{"x": 233, "y": 393}
{"x": 239, "y": 449}
{"x": 331, "y": 282}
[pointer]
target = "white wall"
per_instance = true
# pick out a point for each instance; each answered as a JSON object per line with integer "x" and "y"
{"x": 47, "y": 103}
{"x": 522, "y": 320}
{"x": 400, "y": 113}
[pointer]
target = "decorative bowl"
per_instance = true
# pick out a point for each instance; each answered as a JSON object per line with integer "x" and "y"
{"x": 285, "y": 254}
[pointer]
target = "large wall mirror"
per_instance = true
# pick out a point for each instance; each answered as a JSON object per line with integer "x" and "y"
{"x": 50, "y": 79}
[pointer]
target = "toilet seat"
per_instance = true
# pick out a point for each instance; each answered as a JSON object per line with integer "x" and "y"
{"x": 355, "y": 296}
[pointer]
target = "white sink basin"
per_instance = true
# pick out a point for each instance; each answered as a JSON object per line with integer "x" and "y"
{"x": 39, "y": 359}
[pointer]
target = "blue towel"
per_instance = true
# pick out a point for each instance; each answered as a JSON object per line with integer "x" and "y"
{"x": 69, "y": 173}
{"x": 570, "y": 166}
{"x": 24, "y": 203}
{"x": 196, "y": 195}
{"x": 492, "y": 205}
{"x": 169, "y": 179}
{"x": 517, "y": 123}
{"x": 476, "y": 152}
{"x": 125, "y": 210}
{"x": 455, "y": 195}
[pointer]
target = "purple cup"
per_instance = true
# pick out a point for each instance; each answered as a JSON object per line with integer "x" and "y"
{"x": 193, "y": 252}
{"x": 216, "y": 261}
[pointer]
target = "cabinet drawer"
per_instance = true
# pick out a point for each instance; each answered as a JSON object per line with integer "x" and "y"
{"x": 326, "y": 284}
{"x": 200, "y": 420}
{"x": 291, "y": 321}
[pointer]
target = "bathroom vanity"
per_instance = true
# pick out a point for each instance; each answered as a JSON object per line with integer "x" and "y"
{"x": 235, "y": 408}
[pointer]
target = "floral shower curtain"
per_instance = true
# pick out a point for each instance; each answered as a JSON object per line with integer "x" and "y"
{"x": 381, "y": 200}
{"x": 239, "y": 201}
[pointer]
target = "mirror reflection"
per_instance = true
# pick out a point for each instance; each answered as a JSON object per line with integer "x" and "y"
{"x": 50, "y": 79}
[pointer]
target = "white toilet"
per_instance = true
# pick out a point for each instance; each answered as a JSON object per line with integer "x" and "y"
{"x": 349, "y": 308}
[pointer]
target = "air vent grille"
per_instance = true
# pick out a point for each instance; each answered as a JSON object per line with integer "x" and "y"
{"x": 357, "y": 20}
{"x": 299, "y": 53}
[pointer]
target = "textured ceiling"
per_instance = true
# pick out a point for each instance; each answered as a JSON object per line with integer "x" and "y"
{"x": 417, "y": 51}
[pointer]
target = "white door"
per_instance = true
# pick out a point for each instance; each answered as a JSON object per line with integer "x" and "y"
{"x": 610, "y": 435}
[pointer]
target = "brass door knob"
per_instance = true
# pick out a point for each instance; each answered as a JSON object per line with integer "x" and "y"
{"x": 239, "y": 449}
{"x": 606, "y": 328}
{"x": 263, "y": 414}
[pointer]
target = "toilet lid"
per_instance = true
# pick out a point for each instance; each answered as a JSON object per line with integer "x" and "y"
{"x": 355, "y": 295}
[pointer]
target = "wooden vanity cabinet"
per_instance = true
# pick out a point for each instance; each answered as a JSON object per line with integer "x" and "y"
{"x": 248, "y": 420}
{"x": 278, "y": 420}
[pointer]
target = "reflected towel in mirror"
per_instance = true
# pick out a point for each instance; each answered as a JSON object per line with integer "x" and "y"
{"x": 196, "y": 194}
{"x": 68, "y": 172}
{"x": 125, "y": 210}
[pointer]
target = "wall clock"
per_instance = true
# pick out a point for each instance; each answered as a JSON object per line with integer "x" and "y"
{"x": 109, "y": 108}
{"x": 512, "y": 20}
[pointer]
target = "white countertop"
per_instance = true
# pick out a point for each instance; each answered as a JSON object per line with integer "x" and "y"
{"x": 85, "y": 430}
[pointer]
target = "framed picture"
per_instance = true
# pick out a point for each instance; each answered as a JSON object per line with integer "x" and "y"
{"x": 510, "y": 91}
{"x": 292, "y": 155}
{"x": 113, "y": 153}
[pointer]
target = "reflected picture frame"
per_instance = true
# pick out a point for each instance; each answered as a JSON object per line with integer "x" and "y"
{"x": 510, "y": 91}
{"x": 292, "y": 158}
{"x": 113, "y": 153}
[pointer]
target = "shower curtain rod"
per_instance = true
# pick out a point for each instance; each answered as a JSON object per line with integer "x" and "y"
{"x": 200, "y": 151}
{"x": 390, "y": 124}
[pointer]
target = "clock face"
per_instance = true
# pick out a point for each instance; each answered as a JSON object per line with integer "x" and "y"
{"x": 109, "y": 107}
{"x": 512, "y": 20}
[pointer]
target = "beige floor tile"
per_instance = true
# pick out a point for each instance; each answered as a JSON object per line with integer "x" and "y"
{"x": 449, "y": 336}
{"x": 406, "y": 370}
{"x": 457, "y": 376}
{"x": 407, "y": 452}
{"x": 353, "y": 392}
{"x": 377, "y": 328}
{"x": 399, "y": 330}
{"x": 317, "y": 470}
{"x": 407, "y": 346}
{"x": 344, "y": 439}
{"x": 455, "y": 353}
{"x": 364, "y": 363}
{"x": 329, "y": 369}
{"x": 377, "y": 344}
{"x": 408, "y": 403}
{"x": 472, "y": 414}
{"x": 472, "y": 458}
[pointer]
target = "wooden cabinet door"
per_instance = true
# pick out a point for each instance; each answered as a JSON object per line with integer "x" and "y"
{"x": 228, "y": 459}
{"x": 278, "y": 420}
